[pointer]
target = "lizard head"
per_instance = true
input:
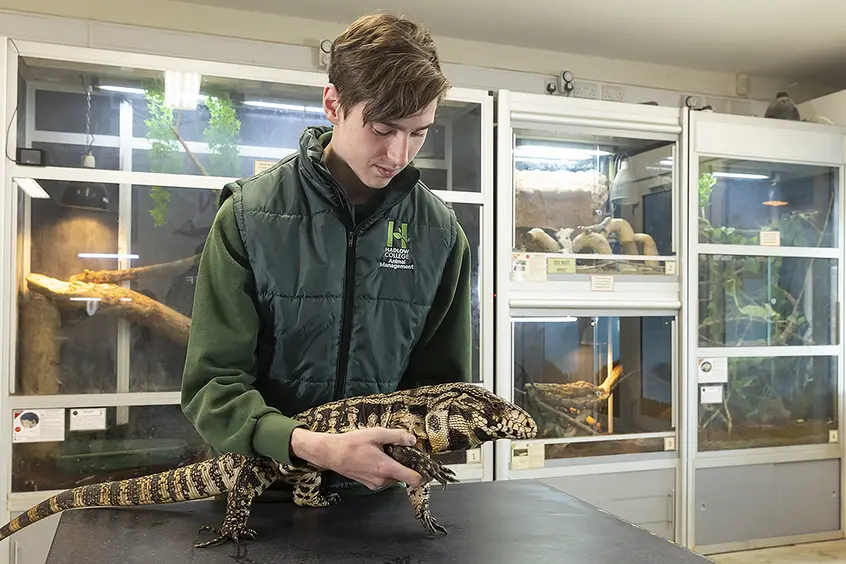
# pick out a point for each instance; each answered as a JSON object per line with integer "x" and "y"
{"x": 466, "y": 415}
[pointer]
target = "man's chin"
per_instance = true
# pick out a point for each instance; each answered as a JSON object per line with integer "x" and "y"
{"x": 376, "y": 182}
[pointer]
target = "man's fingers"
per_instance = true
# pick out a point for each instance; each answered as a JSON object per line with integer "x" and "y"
{"x": 393, "y": 436}
{"x": 402, "y": 473}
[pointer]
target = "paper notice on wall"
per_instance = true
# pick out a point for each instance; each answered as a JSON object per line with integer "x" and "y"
{"x": 88, "y": 419}
{"x": 712, "y": 370}
{"x": 38, "y": 425}
{"x": 528, "y": 267}
{"x": 710, "y": 394}
{"x": 525, "y": 456}
{"x": 770, "y": 239}
{"x": 602, "y": 283}
{"x": 261, "y": 166}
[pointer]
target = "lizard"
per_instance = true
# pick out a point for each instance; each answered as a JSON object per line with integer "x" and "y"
{"x": 444, "y": 418}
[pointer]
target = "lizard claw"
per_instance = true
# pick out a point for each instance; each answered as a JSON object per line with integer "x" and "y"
{"x": 431, "y": 524}
{"x": 223, "y": 535}
{"x": 445, "y": 476}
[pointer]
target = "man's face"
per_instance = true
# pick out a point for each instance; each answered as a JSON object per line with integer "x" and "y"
{"x": 375, "y": 152}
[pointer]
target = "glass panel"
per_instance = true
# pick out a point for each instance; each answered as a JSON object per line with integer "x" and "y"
{"x": 559, "y": 451}
{"x": 451, "y": 157}
{"x": 65, "y": 343}
{"x": 596, "y": 376}
{"x": 225, "y": 127}
{"x": 170, "y": 226}
{"x": 68, "y": 344}
{"x": 124, "y": 442}
{"x": 470, "y": 218}
{"x": 772, "y": 401}
{"x": 740, "y": 199}
{"x": 594, "y": 195}
{"x": 230, "y": 127}
{"x": 756, "y": 301}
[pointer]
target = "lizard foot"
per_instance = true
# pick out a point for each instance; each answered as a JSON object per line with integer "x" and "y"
{"x": 305, "y": 496}
{"x": 331, "y": 498}
{"x": 226, "y": 534}
{"x": 431, "y": 524}
{"x": 443, "y": 474}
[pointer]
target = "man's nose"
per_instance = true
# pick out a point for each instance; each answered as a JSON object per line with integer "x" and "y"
{"x": 398, "y": 150}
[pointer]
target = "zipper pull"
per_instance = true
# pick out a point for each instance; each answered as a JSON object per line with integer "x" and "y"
{"x": 350, "y": 239}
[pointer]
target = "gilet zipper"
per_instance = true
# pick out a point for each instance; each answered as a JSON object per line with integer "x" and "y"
{"x": 353, "y": 232}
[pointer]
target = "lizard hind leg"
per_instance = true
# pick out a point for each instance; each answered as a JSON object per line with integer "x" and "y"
{"x": 254, "y": 476}
{"x": 419, "y": 498}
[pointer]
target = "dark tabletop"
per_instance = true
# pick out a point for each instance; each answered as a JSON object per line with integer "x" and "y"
{"x": 509, "y": 522}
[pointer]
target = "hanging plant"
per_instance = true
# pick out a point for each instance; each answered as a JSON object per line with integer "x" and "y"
{"x": 164, "y": 152}
{"x": 222, "y": 135}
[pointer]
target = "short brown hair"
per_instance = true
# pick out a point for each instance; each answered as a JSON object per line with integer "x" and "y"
{"x": 389, "y": 63}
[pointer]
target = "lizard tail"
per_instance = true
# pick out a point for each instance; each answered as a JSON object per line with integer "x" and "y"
{"x": 195, "y": 481}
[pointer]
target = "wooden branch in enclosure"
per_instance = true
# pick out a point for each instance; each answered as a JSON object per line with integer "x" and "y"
{"x": 557, "y": 413}
{"x": 134, "y": 306}
{"x": 116, "y": 276}
{"x": 188, "y": 151}
{"x": 609, "y": 382}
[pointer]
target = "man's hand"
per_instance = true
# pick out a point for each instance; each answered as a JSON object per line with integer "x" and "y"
{"x": 358, "y": 455}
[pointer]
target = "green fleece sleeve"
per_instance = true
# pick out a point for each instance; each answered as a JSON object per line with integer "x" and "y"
{"x": 444, "y": 351}
{"x": 218, "y": 396}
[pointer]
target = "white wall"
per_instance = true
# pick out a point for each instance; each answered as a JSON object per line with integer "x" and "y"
{"x": 279, "y": 31}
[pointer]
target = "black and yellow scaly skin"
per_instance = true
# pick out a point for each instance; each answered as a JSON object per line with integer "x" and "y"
{"x": 443, "y": 417}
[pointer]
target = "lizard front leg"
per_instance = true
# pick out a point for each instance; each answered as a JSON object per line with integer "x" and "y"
{"x": 254, "y": 476}
{"x": 421, "y": 463}
{"x": 430, "y": 469}
{"x": 419, "y": 498}
{"x": 307, "y": 492}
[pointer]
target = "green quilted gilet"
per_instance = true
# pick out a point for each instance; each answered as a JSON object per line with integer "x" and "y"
{"x": 341, "y": 304}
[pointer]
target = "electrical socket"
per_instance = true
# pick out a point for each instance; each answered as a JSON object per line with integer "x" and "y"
{"x": 614, "y": 93}
{"x": 585, "y": 89}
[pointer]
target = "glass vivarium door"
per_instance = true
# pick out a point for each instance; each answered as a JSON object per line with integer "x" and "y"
{"x": 768, "y": 297}
{"x": 607, "y": 197}
{"x": 110, "y": 234}
{"x": 597, "y": 384}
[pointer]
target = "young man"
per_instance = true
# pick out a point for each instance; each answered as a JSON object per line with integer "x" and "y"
{"x": 335, "y": 273}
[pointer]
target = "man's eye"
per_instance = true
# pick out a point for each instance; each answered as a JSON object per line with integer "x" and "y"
{"x": 377, "y": 132}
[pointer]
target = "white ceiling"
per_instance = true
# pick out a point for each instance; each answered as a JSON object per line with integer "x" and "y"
{"x": 777, "y": 38}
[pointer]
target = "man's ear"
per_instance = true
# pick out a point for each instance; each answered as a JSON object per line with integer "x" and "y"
{"x": 331, "y": 104}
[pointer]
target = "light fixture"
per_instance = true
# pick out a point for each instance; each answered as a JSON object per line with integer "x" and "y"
{"x": 623, "y": 191}
{"x": 775, "y": 198}
{"x": 552, "y": 152}
{"x": 31, "y": 188}
{"x": 90, "y": 196}
{"x": 182, "y": 89}
{"x": 740, "y": 175}
{"x": 123, "y": 89}
{"x": 107, "y": 255}
{"x": 288, "y": 107}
